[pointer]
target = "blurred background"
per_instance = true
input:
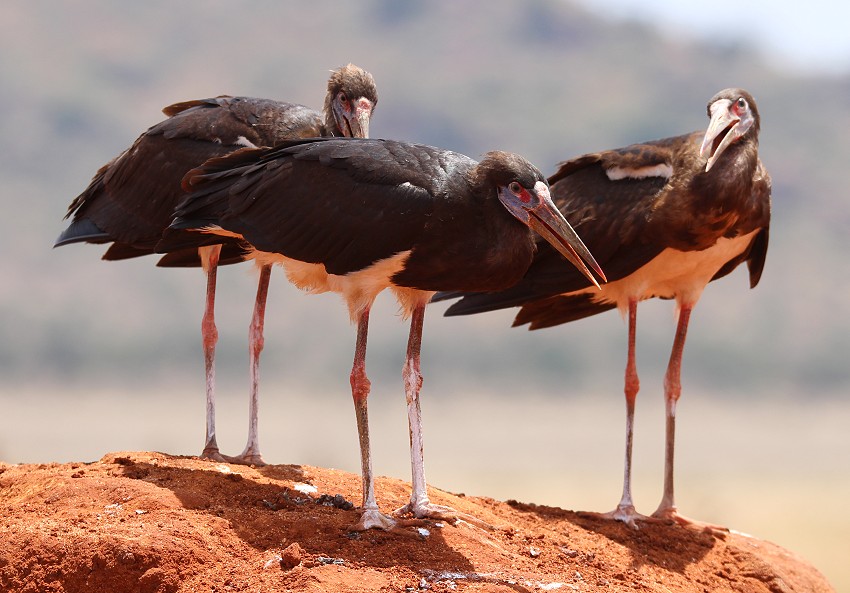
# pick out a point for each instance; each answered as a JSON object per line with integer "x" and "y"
{"x": 105, "y": 356}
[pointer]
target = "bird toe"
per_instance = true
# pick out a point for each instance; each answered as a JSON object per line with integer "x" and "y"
{"x": 213, "y": 454}
{"x": 672, "y": 516}
{"x": 255, "y": 460}
{"x": 374, "y": 519}
{"x": 625, "y": 513}
{"x": 441, "y": 513}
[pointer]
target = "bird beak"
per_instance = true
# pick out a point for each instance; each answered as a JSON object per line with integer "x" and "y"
{"x": 550, "y": 224}
{"x": 356, "y": 121}
{"x": 724, "y": 128}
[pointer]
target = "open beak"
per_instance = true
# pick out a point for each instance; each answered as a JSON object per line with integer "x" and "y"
{"x": 724, "y": 128}
{"x": 548, "y": 221}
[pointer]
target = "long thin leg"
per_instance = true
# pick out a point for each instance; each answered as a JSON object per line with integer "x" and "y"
{"x": 632, "y": 386}
{"x": 360, "y": 386}
{"x": 420, "y": 505}
{"x": 209, "y": 334}
{"x": 412, "y": 377}
{"x": 672, "y": 392}
{"x": 251, "y": 454}
{"x": 625, "y": 510}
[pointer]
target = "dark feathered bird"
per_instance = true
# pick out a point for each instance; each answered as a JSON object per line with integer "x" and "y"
{"x": 131, "y": 200}
{"x": 664, "y": 219}
{"x": 359, "y": 216}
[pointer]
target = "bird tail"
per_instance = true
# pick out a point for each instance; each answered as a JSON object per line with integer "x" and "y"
{"x": 82, "y": 230}
{"x": 119, "y": 251}
{"x": 559, "y": 309}
{"x": 232, "y": 252}
{"x": 482, "y": 302}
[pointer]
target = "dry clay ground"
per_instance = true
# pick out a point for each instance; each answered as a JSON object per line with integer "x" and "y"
{"x": 150, "y": 523}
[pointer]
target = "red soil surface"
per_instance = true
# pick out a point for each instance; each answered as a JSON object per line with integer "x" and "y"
{"x": 155, "y": 523}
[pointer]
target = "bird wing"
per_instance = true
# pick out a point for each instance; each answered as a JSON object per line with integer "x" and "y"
{"x": 233, "y": 251}
{"x": 131, "y": 199}
{"x": 558, "y": 309}
{"x": 606, "y": 197}
{"x": 346, "y": 203}
{"x": 240, "y": 121}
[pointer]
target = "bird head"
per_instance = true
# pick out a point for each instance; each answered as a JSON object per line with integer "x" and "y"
{"x": 732, "y": 114}
{"x": 523, "y": 191}
{"x": 351, "y": 99}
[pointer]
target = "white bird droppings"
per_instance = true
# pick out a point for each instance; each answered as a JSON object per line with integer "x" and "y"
{"x": 305, "y": 488}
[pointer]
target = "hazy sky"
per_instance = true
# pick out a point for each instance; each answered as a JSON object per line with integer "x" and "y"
{"x": 811, "y": 35}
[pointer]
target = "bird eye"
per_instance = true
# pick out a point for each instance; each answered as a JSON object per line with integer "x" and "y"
{"x": 515, "y": 188}
{"x": 343, "y": 98}
{"x": 741, "y": 104}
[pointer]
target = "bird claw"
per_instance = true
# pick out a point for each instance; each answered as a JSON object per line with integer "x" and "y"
{"x": 672, "y": 516}
{"x": 441, "y": 513}
{"x": 374, "y": 519}
{"x": 625, "y": 513}
{"x": 248, "y": 458}
{"x": 213, "y": 454}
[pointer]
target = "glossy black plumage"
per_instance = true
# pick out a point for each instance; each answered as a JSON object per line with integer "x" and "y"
{"x": 398, "y": 197}
{"x": 359, "y": 216}
{"x": 131, "y": 200}
{"x": 663, "y": 218}
{"x": 627, "y": 222}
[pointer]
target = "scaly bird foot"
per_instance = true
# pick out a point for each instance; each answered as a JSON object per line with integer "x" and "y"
{"x": 672, "y": 515}
{"x": 624, "y": 513}
{"x": 374, "y": 519}
{"x": 212, "y": 453}
{"x": 248, "y": 458}
{"x": 440, "y": 513}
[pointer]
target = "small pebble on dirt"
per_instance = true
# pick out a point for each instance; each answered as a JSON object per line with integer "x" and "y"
{"x": 337, "y": 501}
{"x": 291, "y": 556}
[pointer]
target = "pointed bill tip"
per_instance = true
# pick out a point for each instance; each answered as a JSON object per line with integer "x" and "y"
{"x": 552, "y": 226}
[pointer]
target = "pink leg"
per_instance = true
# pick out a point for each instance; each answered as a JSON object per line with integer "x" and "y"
{"x": 412, "y": 377}
{"x": 672, "y": 390}
{"x": 632, "y": 386}
{"x": 420, "y": 506}
{"x": 360, "y": 386}
{"x": 209, "y": 334}
{"x": 625, "y": 510}
{"x": 251, "y": 454}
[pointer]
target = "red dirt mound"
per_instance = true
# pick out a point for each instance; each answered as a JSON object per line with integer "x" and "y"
{"x": 155, "y": 523}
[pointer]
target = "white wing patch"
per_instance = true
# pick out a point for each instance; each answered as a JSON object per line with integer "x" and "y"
{"x": 243, "y": 141}
{"x": 661, "y": 170}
